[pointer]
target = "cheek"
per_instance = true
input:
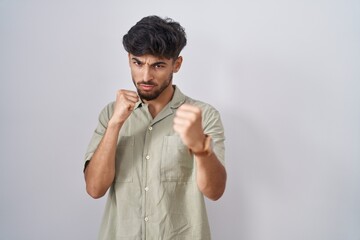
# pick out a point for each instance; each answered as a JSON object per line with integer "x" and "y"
{"x": 135, "y": 74}
{"x": 163, "y": 76}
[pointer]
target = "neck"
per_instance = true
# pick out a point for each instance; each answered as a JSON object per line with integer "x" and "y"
{"x": 156, "y": 105}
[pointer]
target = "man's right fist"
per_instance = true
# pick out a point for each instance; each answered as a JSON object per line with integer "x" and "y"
{"x": 124, "y": 105}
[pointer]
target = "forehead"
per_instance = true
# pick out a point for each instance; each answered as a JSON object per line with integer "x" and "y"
{"x": 149, "y": 59}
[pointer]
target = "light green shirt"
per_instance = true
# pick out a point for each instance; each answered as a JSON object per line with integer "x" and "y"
{"x": 154, "y": 195}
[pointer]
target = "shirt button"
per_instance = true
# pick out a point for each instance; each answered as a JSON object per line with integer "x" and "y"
{"x": 147, "y": 157}
{"x": 147, "y": 189}
{"x": 146, "y": 219}
{"x": 150, "y": 128}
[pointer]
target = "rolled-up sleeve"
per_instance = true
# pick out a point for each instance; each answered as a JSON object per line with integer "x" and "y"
{"x": 99, "y": 132}
{"x": 213, "y": 127}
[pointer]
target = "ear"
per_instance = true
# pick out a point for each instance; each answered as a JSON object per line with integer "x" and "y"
{"x": 177, "y": 64}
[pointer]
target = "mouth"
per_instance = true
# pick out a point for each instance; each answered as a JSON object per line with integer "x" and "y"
{"x": 146, "y": 87}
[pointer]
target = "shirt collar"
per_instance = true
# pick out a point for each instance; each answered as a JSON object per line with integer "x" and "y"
{"x": 138, "y": 104}
{"x": 178, "y": 98}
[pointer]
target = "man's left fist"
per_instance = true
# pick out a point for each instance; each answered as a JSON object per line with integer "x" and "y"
{"x": 187, "y": 123}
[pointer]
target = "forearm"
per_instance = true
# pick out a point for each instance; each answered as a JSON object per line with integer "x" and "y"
{"x": 100, "y": 172}
{"x": 210, "y": 173}
{"x": 211, "y": 176}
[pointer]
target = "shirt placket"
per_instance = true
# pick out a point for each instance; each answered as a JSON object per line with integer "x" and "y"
{"x": 147, "y": 158}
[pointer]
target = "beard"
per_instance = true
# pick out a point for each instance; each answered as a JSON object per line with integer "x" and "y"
{"x": 148, "y": 96}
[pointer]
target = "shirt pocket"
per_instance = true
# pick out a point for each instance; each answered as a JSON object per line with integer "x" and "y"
{"x": 177, "y": 163}
{"x": 124, "y": 159}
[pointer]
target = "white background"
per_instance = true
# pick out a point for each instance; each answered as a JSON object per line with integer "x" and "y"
{"x": 285, "y": 75}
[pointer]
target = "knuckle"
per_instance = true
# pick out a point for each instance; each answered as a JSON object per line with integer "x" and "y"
{"x": 187, "y": 123}
{"x": 193, "y": 118}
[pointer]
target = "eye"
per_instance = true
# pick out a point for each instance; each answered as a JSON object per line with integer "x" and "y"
{"x": 158, "y": 66}
{"x": 137, "y": 63}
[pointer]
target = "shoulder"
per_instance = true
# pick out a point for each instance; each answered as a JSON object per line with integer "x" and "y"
{"x": 107, "y": 111}
{"x": 206, "y": 108}
{"x": 181, "y": 98}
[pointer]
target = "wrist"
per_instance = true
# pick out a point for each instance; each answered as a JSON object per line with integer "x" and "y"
{"x": 206, "y": 149}
{"x": 115, "y": 123}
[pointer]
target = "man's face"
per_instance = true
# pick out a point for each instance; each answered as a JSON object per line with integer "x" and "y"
{"x": 152, "y": 75}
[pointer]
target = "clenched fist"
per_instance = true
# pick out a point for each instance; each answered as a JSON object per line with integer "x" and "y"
{"x": 125, "y": 102}
{"x": 187, "y": 123}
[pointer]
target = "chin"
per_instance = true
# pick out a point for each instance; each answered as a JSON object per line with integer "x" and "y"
{"x": 148, "y": 98}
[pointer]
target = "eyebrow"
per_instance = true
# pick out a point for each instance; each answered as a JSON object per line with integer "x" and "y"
{"x": 153, "y": 64}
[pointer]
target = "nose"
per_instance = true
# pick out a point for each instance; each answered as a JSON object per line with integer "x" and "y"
{"x": 147, "y": 74}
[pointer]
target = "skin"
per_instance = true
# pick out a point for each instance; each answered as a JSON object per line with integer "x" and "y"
{"x": 152, "y": 77}
{"x": 211, "y": 174}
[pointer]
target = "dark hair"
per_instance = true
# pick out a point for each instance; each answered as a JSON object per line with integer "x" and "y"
{"x": 155, "y": 36}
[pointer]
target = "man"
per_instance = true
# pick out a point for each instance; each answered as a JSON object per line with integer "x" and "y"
{"x": 156, "y": 150}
